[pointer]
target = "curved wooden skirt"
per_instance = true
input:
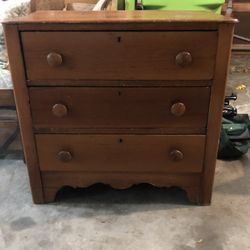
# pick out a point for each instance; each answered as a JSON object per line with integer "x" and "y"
{"x": 54, "y": 181}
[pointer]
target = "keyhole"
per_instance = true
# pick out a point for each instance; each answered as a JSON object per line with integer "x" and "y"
{"x": 120, "y": 140}
{"x": 119, "y": 39}
{"x": 119, "y": 93}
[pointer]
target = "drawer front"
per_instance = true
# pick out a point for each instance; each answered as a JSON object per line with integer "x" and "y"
{"x": 123, "y": 108}
{"x": 121, "y": 153}
{"x": 119, "y": 55}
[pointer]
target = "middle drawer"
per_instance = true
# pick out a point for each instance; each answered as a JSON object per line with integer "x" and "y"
{"x": 183, "y": 108}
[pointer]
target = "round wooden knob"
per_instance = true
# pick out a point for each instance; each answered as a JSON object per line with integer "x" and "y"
{"x": 178, "y": 109}
{"x": 59, "y": 110}
{"x": 64, "y": 156}
{"x": 54, "y": 59}
{"x": 176, "y": 155}
{"x": 183, "y": 59}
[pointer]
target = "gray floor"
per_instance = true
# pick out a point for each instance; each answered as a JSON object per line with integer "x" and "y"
{"x": 142, "y": 217}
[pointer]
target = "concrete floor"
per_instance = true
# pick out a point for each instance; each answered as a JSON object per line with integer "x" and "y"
{"x": 142, "y": 217}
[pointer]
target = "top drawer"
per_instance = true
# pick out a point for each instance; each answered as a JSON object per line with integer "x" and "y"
{"x": 119, "y": 55}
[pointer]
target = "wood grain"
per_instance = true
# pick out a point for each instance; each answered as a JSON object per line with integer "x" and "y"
{"x": 120, "y": 20}
{"x": 104, "y": 112}
{"x": 54, "y": 181}
{"x": 119, "y": 108}
{"x": 120, "y": 55}
{"x": 121, "y": 153}
{"x": 23, "y": 110}
{"x": 215, "y": 111}
{"x": 151, "y": 16}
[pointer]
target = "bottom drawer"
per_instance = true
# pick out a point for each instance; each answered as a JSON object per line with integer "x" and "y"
{"x": 121, "y": 153}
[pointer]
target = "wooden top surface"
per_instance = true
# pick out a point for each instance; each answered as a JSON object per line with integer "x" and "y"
{"x": 121, "y": 17}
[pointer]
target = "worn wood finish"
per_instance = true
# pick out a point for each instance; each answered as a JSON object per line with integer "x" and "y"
{"x": 54, "y": 181}
{"x": 215, "y": 111}
{"x": 130, "y": 26}
{"x": 122, "y": 108}
{"x": 23, "y": 110}
{"x": 120, "y": 153}
{"x": 135, "y": 55}
{"x": 144, "y": 17}
{"x": 120, "y": 20}
{"x": 98, "y": 109}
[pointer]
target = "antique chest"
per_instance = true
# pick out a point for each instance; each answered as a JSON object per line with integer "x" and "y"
{"x": 120, "y": 97}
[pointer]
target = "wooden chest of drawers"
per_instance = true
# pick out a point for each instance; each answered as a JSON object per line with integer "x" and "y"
{"x": 120, "y": 98}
